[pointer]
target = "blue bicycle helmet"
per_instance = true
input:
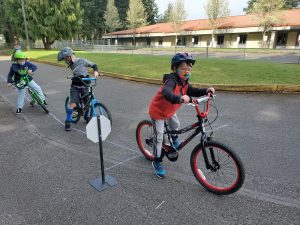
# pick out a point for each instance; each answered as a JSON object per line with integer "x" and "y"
{"x": 64, "y": 52}
{"x": 182, "y": 57}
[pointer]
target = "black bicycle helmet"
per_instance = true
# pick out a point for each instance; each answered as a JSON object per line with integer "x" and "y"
{"x": 182, "y": 57}
{"x": 64, "y": 52}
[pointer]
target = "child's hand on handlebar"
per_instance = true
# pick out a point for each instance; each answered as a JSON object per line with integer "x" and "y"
{"x": 96, "y": 74}
{"x": 9, "y": 84}
{"x": 185, "y": 99}
{"x": 210, "y": 90}
{"x": 29, "y": 72}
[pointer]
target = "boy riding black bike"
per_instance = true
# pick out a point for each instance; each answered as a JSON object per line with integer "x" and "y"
{"x": 175, "y": 91}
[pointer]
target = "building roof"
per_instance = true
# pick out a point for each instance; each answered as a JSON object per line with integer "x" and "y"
{"x": 290, "y": 18}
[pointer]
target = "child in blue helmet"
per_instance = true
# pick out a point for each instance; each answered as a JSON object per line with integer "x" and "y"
{"x": 175, "y": 91}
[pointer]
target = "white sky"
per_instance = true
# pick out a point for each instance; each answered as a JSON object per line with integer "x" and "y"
{"x": 195, "y": 8}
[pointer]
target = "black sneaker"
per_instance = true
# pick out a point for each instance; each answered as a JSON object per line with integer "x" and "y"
{"x": 19, "y": 111}
{"x": 45, "y": 103}
{"x": 67, "y": 126}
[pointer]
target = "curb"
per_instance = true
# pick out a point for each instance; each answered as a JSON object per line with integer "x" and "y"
{"x": 274, "y": 88}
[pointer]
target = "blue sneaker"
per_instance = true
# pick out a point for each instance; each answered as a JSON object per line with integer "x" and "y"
{"x": 158, "y": 169}
{"x": 176, "y": 142}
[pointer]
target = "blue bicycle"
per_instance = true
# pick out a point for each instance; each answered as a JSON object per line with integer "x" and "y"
{"x": 91, "y": 106}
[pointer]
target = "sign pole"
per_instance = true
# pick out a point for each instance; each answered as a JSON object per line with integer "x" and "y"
{"x": 107, "y": 181}
{"x": 101, "y": 149}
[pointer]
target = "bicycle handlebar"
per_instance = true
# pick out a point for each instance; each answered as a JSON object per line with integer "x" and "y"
{"x": 206, "y": 99}
{"x": 85, "y": 79}
{"x": 89, "y": 78}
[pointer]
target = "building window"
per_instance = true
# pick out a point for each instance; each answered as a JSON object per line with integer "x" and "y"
{"x": 281, "y": 39}
{"x": 181, "y": 41}
{"x": 220, "y": 39}
{"x": 243, "y": 39}
{"x": 196, "y": 40}
{"x": 160, "y": 41}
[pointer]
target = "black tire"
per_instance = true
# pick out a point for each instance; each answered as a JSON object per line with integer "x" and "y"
{"x": 38, "y": 100}
{"x": 143, "y": 138}
{"x": 219, "y": 169}
{"x": 102, "y": 110}
{"x": 44, "y": 107}
{"x": 75, "y": 115}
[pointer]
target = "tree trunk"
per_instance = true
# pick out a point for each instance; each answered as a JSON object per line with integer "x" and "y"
{"x": 47, "y": 43}
{"x": 263, "y": 43}
{"x": 134, "y": 38}
{"x": 9, "y": 38}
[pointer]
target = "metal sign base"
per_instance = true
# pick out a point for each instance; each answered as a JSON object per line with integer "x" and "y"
{"x": 99, "y": 185}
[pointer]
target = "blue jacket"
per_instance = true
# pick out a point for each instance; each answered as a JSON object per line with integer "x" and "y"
{"x": 19, "y": 71}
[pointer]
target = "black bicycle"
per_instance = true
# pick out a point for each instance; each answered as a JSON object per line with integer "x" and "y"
{"x": 215, "y": 166}
{"x": 92, "y": 106}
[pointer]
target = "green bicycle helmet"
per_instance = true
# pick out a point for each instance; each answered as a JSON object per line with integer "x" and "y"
{"x": 20, "y": 55}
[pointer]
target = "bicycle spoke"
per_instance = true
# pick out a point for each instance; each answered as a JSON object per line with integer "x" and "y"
{"x": 224, "y": 172}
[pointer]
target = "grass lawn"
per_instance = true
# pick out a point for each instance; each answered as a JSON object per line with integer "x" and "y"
{"x": 211, "y": 71}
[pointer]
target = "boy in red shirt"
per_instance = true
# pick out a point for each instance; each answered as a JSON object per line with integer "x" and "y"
{"x": 175, "y": 91}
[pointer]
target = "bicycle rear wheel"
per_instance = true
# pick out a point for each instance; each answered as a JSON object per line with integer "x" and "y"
{"x": 144, "y": 138}
{"x": 101, "y": 110}
{"x": 35, "y": 96}
{"x": 217, "y": 168}
{"x": 76, "y": 114}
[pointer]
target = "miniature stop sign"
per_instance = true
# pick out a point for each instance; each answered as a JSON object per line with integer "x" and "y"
{"x": 92, "y": 129}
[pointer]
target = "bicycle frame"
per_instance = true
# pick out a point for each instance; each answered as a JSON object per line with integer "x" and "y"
{"x": 199, "y": 126}
{"x": 91, "y": 98}
{"x": 34, "y": 95}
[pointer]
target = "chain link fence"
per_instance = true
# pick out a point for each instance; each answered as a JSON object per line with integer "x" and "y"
{"x": 277, "y": 55}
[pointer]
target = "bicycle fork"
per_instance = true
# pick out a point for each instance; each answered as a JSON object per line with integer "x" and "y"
{"x": 211, "y": 164}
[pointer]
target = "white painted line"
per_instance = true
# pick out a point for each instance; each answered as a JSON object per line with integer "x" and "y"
{"x": 285, "y": 201}
{"x": 122, "y": 146}
{"x": 223, "y": 126}
{"x": 120, "y": 163}
{"x": 54, "y": 117}
{"x": 160, "y": 204}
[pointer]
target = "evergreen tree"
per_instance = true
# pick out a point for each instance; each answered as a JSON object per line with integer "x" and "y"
{"x": 136, "y": 16}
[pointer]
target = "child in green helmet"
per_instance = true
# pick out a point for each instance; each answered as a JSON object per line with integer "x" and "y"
{"x": 20, "y": 68}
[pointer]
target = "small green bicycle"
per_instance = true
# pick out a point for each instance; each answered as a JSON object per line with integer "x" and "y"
{"x": 35, "y": 97}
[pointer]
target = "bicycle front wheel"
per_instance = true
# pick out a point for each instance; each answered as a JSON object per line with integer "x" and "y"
{"x": 217, "y": 168}
{"x": 100, "y": 109}
{"x": 35, "y": 96}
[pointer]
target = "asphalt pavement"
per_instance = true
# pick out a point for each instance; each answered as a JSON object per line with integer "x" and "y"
{"x": 45, "y": 171}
